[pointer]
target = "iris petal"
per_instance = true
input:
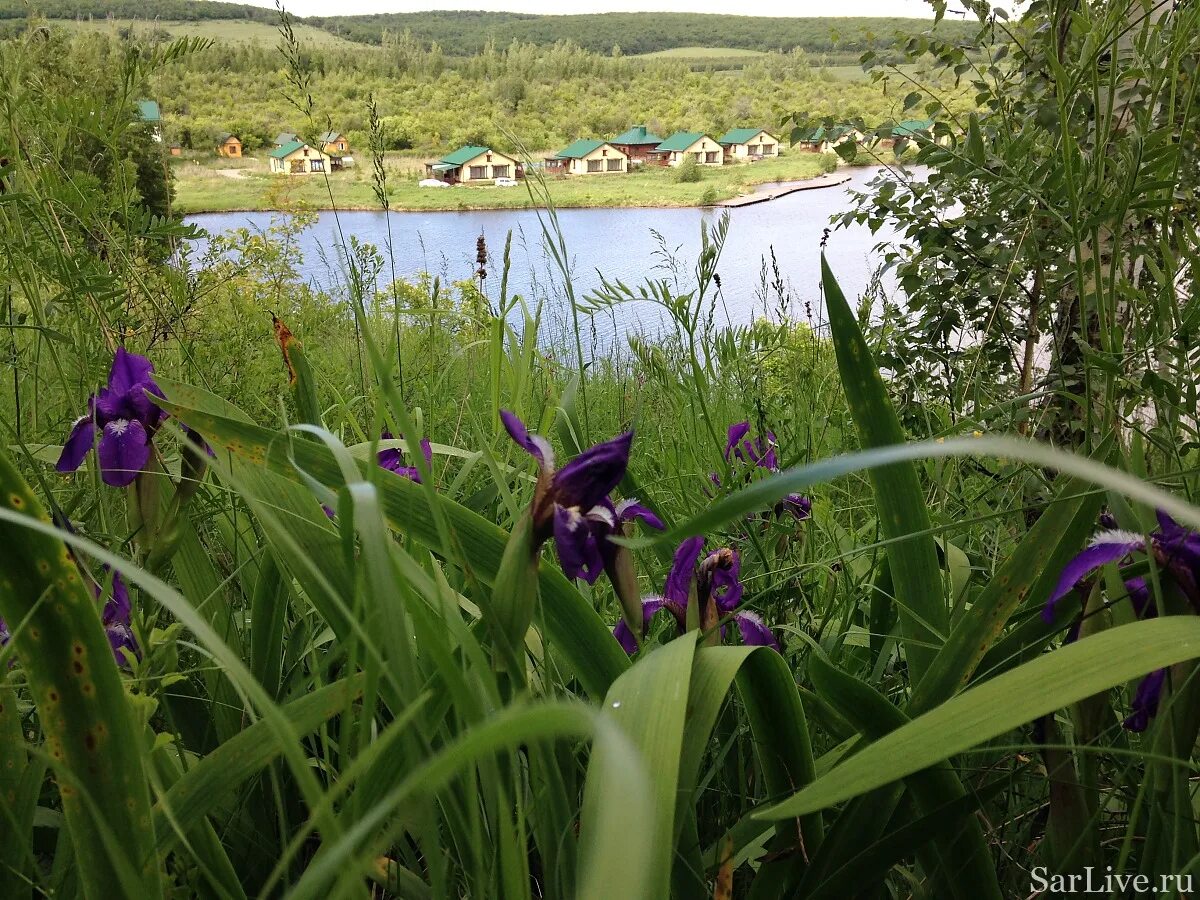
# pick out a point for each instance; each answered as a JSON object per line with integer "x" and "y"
{"x": 588, "y": 479}
{"x": 683, "y": 571}
{"x": 123, "y": 451}
{"x": 79, "y": 442}
{"x": 577, "y": 545}
{"x": 624, "y": 636}
{"x": 1145, "y": 701}
{"x": 737, "y": 431}
{"x": 535, "y": 445}
{"x": 754, "y": 632}
{"x": 628, "y": 510}
{"x": 1098, "y": 554}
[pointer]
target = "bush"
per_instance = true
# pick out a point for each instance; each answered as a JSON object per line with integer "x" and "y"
{"x": 687, "y": 172}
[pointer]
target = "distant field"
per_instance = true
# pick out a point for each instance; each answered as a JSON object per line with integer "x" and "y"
{"x": 856, "y": 73}
{"x": 222, "y": 30}
{"x": 699, "y": 53}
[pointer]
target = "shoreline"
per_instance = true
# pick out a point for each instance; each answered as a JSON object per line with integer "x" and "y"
{"x": 734, "y": 200}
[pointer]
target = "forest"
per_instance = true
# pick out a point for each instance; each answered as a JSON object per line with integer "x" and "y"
{"x": 467, "y": 33}
{"x": 399, "y": 586}
{"x": 516, "y": 97}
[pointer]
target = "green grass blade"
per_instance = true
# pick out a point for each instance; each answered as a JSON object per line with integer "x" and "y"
{"x": 572, "y": 625}
{"x": 1028, "y": 575}
{"x": 649, "y": 703}
{"x": 1046, "y": 684}
{"x": 903, "y": 517}
{"x": 210, "y": 781}
{"x": 960, "y": 862}
{"x": 91, "y": 734}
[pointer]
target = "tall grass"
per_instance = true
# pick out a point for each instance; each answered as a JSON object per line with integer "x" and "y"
{"x": 354, "y": 680}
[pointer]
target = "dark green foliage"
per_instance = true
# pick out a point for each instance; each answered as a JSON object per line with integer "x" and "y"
{"x": 467, "y": 33}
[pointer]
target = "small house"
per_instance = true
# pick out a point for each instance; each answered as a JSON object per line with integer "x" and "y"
{"x": 591, "y": 157}
{"x": 284, "y": 138}
{"x": 824, "y": 140}
{"x": 910, "y": 130}
{"x": 335, "y": 143}
{"x": 749, "y": 144}
{"x": 637, "y": 144}
{"x": 705, "y": 150}
{"x": 151, "y": 115}
{"x": 228, "y": 145}
{"x": 176, "y": 149}
{"x": 297, "y": 158}
{"x": 472, "y": 164}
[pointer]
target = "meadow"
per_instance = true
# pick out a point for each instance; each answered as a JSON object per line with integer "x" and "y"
{"x": 392, "y": 589}
{"x": 205, "y": 185}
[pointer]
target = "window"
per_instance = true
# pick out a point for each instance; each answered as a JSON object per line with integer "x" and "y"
{"x": 297, "y": 166}
{"x": 501, "y": 172}
{"x": 341, "y": 145}
{"x": 318, "y": 165}
{"x": 698, "y": 157}
{"x": 594, "y": 165}
{"x": 710, "y": 157}
{"x": 756, "y": 151}
{"x": 768, "y": 149}
{"x": 478, "y": 172}
{"x": 614, "y": 165}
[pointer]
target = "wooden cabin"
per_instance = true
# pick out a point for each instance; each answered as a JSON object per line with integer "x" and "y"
{"x": 705, "y": 150}
{"x": 589, "y": 157}
{"x": 638, "y": 145}
{"x": 297, "y": 158}
{"x": 151, "y": 115}
{"x": 749, "y": 145}
{"x": 337, "y": 145}
{"x": 473, "y": 165}
{"x": 229, "y": 145}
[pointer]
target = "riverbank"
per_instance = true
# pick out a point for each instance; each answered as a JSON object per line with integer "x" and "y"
{"x": 246, "y": 186}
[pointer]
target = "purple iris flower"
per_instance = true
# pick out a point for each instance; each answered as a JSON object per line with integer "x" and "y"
{"x": 127, "y": 420}
{"x": 1175, "y": 549}
{"x": 571, "y": 504}
{"x": 1145, "y": 701}
{"x": 114, "y": 617}
{"x": 761, "y": 453}
{"x": 392, "y": 460}
{"x": 718, "y": 592}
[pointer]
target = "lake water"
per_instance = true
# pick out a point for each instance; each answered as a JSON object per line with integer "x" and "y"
{"x": 629, "y": 245}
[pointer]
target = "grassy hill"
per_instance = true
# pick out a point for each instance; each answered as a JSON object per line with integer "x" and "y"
{"x": 467, "y": 33}
{"x": 702, "y": 53}
{"x": 222, "y": 30}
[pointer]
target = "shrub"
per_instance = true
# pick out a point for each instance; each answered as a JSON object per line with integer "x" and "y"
{"x": 687, "y": 172}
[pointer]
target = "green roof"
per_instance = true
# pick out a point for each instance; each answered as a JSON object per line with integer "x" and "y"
{"x": 739, "y": 135}
{"x": 291, "y": 147}
{"x": 223, "y": 137}
{"x": 463, "y": 155}
{"x": 580, "y": 148}
{"x": 637, "y": 135}
{"x": 910, "y": 127}
{"x": 330, "y": 136}
{"x": 149, "y": 111}
{"x": 821, "y": 133}
{"x": 284, "y": 137}
{"x": 681, "y": 140}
